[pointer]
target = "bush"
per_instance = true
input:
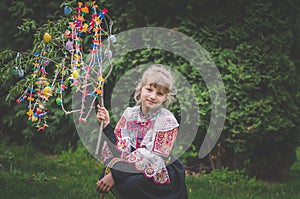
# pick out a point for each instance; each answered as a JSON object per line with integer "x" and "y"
{"x": 253, "y": 49}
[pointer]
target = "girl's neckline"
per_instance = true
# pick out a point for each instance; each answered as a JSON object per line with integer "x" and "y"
{"x": 150, "y": 115}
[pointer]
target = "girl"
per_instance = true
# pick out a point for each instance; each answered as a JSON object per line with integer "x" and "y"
{"x": 139, "y": 163}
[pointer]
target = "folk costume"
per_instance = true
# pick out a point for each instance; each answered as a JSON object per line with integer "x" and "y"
{"x": 138, "y": 154}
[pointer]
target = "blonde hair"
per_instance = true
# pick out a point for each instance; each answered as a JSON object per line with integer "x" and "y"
{"x": 158, "y": 77}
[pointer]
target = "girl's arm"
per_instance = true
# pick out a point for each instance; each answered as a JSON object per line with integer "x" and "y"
{"x": 164, "y": 142}
{"x": 109, "y": 132}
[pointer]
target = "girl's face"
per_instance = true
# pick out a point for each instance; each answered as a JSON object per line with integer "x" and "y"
{"x": 151, "y": 97}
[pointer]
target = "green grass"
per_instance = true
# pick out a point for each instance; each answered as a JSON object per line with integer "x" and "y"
{"x": 30, "y": 174}
{"x": 73, "y": 174}
{"x": 224, "y": 184}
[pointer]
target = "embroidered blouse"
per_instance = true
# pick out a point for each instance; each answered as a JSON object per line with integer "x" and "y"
{"x": 145, "y": 141}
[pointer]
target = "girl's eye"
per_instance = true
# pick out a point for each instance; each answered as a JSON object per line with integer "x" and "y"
{"x": 148, "y": 89}
{"x": 160, "y": 94}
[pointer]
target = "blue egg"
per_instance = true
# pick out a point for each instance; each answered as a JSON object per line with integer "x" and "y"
{"x": 67, "y": 10}
{"x": 112, "y": 38}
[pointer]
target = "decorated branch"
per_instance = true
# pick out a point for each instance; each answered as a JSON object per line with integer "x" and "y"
{"x": 65, "y": 55}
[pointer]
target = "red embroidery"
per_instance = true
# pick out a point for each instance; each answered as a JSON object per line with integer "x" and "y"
{"x": 164, "y": 141}
{"x": 121, "y": 124}
{"x": 142, "y": 128}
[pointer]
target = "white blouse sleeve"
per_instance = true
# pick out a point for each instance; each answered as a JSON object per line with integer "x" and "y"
{"x": 122, "y": 135}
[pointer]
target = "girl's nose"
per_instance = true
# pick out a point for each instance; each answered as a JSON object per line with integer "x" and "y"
{"x": 152, "y": 95}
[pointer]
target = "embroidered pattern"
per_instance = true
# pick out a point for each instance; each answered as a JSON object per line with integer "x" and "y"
{"x": 106, "y": 152}
{"x": 121, "y": 124}
{"x": 151, "y": 139}
{"x": 142, "y": 128}
{"x": 164, "y": 142}
{"x": 123, "y": 143}
{"x": 167, "y": 122}
{"x": 154, "y": 169}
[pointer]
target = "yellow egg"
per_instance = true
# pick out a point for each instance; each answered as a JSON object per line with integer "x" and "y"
{"x": 75, "y": 74}
{"x": 47, "y": 37}
{"x": 47, "y": 91}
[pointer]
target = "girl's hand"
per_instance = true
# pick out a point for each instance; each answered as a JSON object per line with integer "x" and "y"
{"x": 105, "y": 184}
{"x": 102, "y": 114}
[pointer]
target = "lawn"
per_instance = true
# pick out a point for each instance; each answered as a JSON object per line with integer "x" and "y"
{"x": 27, "y": 173}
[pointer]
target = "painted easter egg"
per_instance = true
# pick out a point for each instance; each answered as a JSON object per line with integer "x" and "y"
{"x": 47, "y": 37}
{"x": 67, "y": 10}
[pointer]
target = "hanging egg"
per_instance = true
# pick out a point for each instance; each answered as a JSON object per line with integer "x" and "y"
{"x": 47, "y": 37}
{"x": 67, "y": 10}
{"x": 75, "y": 74}
{"x": 112, "y": 38}
{"x": 15, "y": 71}
{"x": 21, "y": 72}
{"x": 108, "y": 53}
{"x": 69, "y": 45}
{"x": 46, "y": 62}
{"x": 58, "y": 101}
{"x": 47, "y": 91}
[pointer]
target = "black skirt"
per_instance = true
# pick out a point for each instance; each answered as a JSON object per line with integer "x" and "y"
{"x": 130, "y": 185}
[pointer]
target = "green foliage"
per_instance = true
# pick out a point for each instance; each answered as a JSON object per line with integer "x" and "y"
{"x": 252, "y": 48}
{"x": 14, "y": 13}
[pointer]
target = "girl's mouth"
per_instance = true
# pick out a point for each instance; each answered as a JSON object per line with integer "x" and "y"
{"x": 150, "y": 102}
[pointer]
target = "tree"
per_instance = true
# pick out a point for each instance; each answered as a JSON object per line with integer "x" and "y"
{"x": 21, "y": 21}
